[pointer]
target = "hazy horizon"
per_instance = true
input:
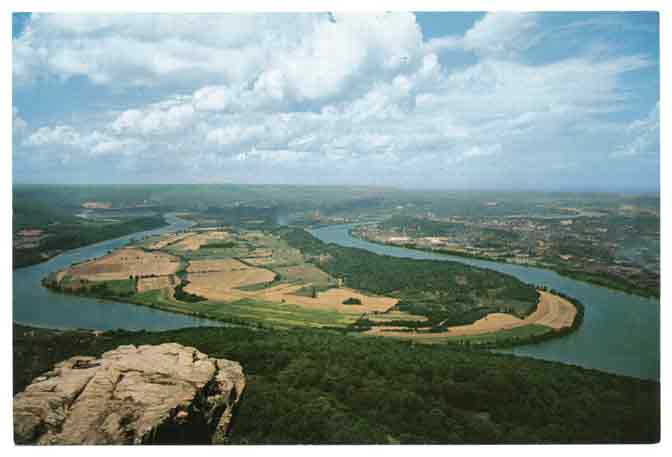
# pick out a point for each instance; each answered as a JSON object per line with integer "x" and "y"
{"x": 634, "y": 191}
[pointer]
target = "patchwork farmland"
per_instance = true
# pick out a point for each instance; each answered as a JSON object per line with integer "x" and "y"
{"x": 256, "y": 276}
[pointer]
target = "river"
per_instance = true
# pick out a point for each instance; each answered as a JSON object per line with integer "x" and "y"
{"x": 40, "y": 307}
{"x": 620, "y": 332}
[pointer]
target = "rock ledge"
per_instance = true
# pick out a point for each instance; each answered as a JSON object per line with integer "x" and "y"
{"x": 166, "y": 393}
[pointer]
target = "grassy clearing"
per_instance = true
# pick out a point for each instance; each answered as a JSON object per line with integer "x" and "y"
{"x": 159, "y": 282}
{"x": 121, "y": 287}
{"x": 257, "y": 287}
{"x": 306, "y": 273}
{"x": 501, "y": 338}
{"x": 524, "y": 332}
{"x": 252, "y": 311}
{"x": 126, "y": 262}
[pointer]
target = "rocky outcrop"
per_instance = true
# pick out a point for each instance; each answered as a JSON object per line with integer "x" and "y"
{"x": 167, "y": 393}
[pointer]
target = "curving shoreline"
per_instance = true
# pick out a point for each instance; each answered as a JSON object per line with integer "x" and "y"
{"x": 558, "y": 314}
{"x": 39, "y": 306}
{"x": 550, "y": 315}
{"x": 562, "y": 272}
{"x": 615, "y": 332}
{"x": 620, "y": 334}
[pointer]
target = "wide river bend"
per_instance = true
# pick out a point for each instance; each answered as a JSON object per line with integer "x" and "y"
{"x": 40, "y": 307}
{"x": 620, "y": 332}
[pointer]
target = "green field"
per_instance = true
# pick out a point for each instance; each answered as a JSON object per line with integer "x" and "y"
{"x": 280, "y": 315}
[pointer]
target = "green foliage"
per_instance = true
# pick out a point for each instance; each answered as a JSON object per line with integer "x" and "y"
{"x": 603, "y": 279}
{"x": 257, "y": 286}
{"x": 311, "y": 386}
{"x": 111, "y": 290}
{"x": 218, "y": 245}
{"x": 311, "y": 291}
{"x": 352, "y": 301}
{"x": 182, "y": 295}
{"x": 107, "y": 289}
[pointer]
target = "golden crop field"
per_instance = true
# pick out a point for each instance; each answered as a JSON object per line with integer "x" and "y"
{"x": 197, "y": 239}
{"x": 552, "y": 311}
{"x": 209, "y": 265}
{"x": 126, "y": 262}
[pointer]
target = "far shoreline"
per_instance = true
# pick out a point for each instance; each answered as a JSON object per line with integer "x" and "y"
{"x": 563, "y": 273}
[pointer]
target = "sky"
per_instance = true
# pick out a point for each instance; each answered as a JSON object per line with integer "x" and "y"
{"x": 538, "y": 101}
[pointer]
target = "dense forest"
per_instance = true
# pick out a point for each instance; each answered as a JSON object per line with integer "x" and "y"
{"x": 317, "y": 386}
{"x": 444, "y": 292}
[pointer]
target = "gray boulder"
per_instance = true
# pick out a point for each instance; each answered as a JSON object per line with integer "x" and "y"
{"x": 167, "y": 393}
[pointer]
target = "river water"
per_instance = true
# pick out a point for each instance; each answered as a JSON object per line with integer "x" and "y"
{"x": 620, "y": 332}
{"x": 38, "y": 306}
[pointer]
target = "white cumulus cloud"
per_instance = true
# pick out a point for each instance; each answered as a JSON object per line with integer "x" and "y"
{"x": 643, "y": 135}
{"x": 348, "y": 95}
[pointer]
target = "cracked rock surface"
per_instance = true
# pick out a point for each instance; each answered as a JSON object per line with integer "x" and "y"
{"x": 166, "y": 393}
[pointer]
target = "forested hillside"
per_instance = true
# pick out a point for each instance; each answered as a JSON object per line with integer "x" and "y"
{"x": 317, "y": 386}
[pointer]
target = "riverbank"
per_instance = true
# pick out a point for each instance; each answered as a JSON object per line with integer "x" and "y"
{"x": 39, "y": 306}
{"x": 552, "y": 318}
{"x": 620, "y": 333}
{"x": 597, "y": 280}
{"x": 555, "y": 316}
{"x": 174, "y": 306}
{"x": 81, "y": 236}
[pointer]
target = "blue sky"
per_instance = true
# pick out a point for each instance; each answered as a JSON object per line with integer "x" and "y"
{"x": 549, "y": 101}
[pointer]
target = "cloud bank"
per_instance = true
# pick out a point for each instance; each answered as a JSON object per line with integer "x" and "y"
{"x": 328, "y": 98}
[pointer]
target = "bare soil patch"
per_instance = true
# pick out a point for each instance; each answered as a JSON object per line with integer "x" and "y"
{"x": 221, "y": 285}
{"x": 162, "y": 243}
{"x": 260, "y": 253}
{"x": 332, "y": 299}
{"x": 208, "y": 265}
{"x": 196, "y": 240}
{"x": 160, "y": 282}
{"x": 552, "y": 311}
{"x": 126, "y": 262}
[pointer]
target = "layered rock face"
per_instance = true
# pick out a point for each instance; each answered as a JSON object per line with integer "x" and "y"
{"x": 167, "y": 393}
